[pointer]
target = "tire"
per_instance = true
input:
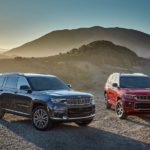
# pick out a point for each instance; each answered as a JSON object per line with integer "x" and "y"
{"x": 120, "y": 111}
{"x": 84, "y": 123}
{"x": 108, "y": 106}
{"x": 2, "y": 113}
{"x": 41, "y": 119}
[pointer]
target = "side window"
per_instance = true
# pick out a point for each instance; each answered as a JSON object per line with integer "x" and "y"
{"x": 1, "y": 81}
{"x": 112, "y": 79}
{"x": 22, "y": 81}
{"x": 109, "y": 79}
{"x": 115, "y": 79}
{"x": 11, "y": 82}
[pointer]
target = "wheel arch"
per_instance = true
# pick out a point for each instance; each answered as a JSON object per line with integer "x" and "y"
{"x": 36, "y": 104}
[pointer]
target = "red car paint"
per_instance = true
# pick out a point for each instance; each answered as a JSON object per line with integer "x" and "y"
{"x": 134, "y": 100}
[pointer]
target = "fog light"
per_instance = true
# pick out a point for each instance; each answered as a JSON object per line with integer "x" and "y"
{"x": 65, "y": 117}
{"x": 59, "y": 109}
{"x": 129, "y": 104}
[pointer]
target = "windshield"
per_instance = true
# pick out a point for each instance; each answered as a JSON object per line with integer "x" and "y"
{"x": 135, "y": 82}
{"x": 47, "y": 83}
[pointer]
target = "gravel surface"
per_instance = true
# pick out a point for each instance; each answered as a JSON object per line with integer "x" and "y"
{"x": 105, "y": 132}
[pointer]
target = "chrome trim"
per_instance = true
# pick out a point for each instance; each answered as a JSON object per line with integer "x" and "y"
{"x": 142, "y": 98}
{"x": 18, "y": 112}
{"x": 66, "y": 118}
{"x": 79, "y": 100}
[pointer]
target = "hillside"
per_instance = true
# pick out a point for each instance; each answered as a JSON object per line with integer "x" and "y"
{"x": 2, "y": 55}
{"x": 85, "y": 68}
{"x": 2, "y": 50}
{"x": 64, "y": 40}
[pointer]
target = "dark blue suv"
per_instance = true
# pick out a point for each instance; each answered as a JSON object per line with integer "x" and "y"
{"x": 44, "y": 98}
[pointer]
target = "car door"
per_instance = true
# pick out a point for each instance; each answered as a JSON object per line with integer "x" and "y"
{"x": 23, "y": 98}
{"x": 110, "y": 90}
{"x": 115, "y": 89}
{"x": 9, "y": 92}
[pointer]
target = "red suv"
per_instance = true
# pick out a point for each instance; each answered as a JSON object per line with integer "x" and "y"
{"x": 128, "y": 93}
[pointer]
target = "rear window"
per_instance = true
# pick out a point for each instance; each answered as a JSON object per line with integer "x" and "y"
{"x": 11, "y": 82}
{"x": 1, "y": 80}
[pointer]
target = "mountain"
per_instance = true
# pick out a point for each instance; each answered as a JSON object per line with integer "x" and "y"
{"x": 2, "y": 55}
{"x": 63, "y": 40}
{"x": 86, "y": 67}
{"x": 2, "y": 50}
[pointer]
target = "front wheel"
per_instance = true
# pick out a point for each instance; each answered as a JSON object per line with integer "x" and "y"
{"x": 41, "y": 119}
{"x": 120, "y": 111}
{"x": 84, "y": 123}
{"x": 2, "y": 113}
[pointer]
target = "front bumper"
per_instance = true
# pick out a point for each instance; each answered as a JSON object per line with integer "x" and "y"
{"x": 72, "y": 113}
{"x": 65, "y": 118}
{"x": 137, "y": 107}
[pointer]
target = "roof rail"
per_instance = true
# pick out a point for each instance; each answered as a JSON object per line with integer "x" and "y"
{"x": 10, "y": 73}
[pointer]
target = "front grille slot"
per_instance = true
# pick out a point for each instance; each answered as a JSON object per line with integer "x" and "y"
{"x": 79, "y": 101}
{"x": 142, "y": 106}
{"x": 80, "y": 112}
{"x": 143, "y": 97}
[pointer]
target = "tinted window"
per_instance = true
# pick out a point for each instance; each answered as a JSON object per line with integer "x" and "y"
{"x": 116, "y": 79}
{"x": 46, "y": 83}
{"x": 11, "y": 82}
{"x": 110, "y": 78}
{"x": 22, "y": 81}
{"x": 1, "y": 80}
{"x": 135, "y": 82}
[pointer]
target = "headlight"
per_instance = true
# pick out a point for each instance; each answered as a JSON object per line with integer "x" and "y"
{"x": 58, "y": 100}
{"x": 92, "y": 100}
{"x": 129, "y": 96}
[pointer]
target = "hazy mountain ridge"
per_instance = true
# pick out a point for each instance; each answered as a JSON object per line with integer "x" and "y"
{"x": 3, "y": 55}
{"x": 2, "y": 50}
{"x": 86, "y": 67}
{"x": 63, "y": 40}
{"x": 102, "y": 53}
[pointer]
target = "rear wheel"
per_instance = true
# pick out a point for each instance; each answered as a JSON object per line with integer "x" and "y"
{"x": 2, "y": 113}
{"x": 84, "y": 123}
{"x": 120, "y": 111}
{"x": 41, "y": 119}
{"x": 108, "y": 106}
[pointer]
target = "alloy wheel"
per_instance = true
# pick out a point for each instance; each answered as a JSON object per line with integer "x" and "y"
{"x": 40, "y": 119}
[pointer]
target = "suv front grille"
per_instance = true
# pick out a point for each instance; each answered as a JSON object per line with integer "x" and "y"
{"x": 143, "y": 97}
{"x": 79, "y": 101}
{"x": 142, "y": 106}
{"x": 80, "y": 112}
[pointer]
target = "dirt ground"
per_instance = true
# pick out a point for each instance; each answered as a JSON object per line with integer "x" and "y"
{"x": 104, "y": 133}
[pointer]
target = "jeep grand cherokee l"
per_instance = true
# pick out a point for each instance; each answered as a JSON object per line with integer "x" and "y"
{"x": 44, "y": 98}
{"x": 128, "y": 93}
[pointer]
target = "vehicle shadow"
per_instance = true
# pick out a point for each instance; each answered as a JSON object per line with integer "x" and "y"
{"x": 72, "y": 137}
{"x": 145, "y": 118}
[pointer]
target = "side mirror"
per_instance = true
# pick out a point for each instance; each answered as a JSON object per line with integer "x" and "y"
{"x": 25, "y": 88}
{"x": 69, "y": 85}
{"x": 115, "y": 85}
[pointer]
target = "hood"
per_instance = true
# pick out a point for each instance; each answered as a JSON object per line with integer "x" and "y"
{"x": 139, "y": 91}
{"x": 64, "y": 93}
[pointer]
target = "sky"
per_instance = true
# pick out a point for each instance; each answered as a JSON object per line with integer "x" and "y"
{"x": 22, "y": 21}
